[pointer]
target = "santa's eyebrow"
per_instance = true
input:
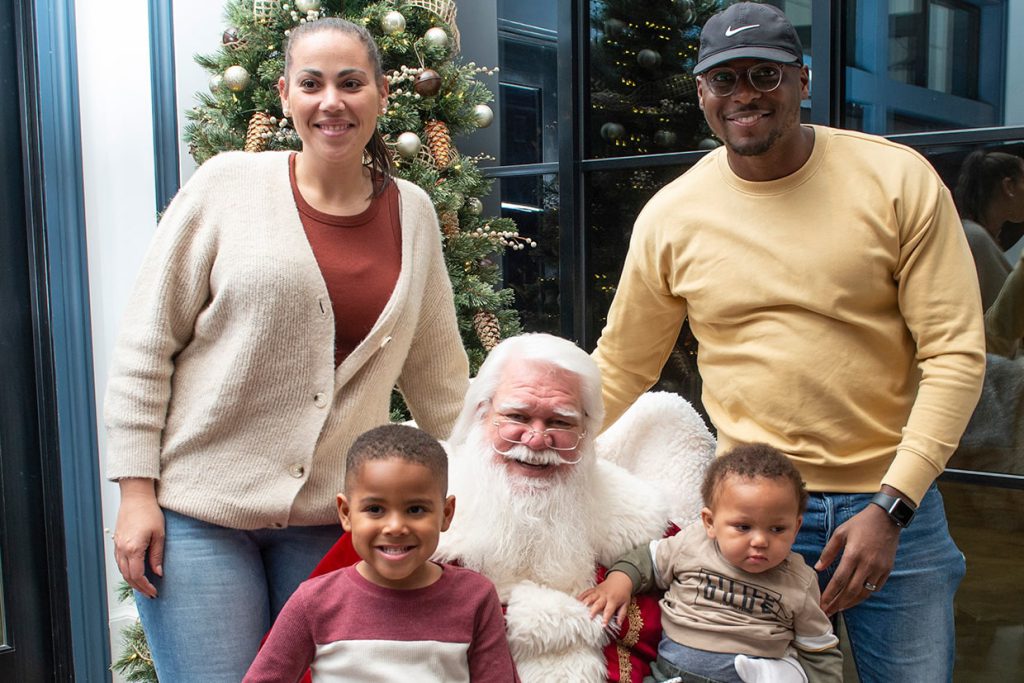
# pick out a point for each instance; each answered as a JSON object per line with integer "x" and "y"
{"x": 519, "y": 406}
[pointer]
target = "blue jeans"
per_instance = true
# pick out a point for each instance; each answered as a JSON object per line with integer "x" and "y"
{"x": 905, "y": 631}
{"x": 220, "y": 592}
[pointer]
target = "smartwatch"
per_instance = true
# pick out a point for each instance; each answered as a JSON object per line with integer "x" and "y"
{"x": 899, "y": 510}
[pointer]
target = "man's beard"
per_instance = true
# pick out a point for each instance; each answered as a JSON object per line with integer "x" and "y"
{"x": 511, "y": 527}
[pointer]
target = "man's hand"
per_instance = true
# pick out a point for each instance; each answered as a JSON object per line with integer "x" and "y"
{"x": 139, "y": 532}
{"x": 610, "y": 597}
{"x": 868, "y": 543}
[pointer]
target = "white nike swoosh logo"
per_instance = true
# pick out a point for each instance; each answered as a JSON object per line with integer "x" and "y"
{"x": 730, "y": 32}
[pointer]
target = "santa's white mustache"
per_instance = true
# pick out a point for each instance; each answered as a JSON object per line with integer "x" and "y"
{"x": 523, "y": 454}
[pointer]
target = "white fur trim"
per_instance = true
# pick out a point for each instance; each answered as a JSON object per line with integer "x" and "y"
{"x": 552, "y": 637}
{"x": 634, "y": 511}
{"x": 663, "y": 441}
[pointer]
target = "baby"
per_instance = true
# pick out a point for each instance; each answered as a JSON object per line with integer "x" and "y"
{"x": 737, "y": 598}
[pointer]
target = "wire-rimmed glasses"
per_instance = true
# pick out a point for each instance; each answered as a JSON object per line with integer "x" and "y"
{"x": 765, "y": 77}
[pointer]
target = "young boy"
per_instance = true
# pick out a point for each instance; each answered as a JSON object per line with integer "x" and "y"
{"x": 737, "y": 597}
{"x": 396, "y": 615}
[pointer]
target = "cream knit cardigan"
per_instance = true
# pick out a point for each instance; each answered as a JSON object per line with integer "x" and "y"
{"x": 223, "y": 385}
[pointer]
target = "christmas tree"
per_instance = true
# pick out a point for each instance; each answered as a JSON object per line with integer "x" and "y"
{"x": 434, "y": 96}
{"x": 643, "y": 92}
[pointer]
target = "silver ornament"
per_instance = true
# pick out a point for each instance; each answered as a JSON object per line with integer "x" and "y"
{"x": 216, "y": 81}
{"x": 408, "y": 144}
{"x": 648, "y": 58}
{"x": 483, "y": 115}
{"x": 307, "y": 5}
{"x": 708, "y": 143}
{"x": 612, "y": 131}
{"x": 393, "y": 22}
{"x": 436, "y": 37}
{"x": 474, "y": 206}
{"x": 236, "y": 78}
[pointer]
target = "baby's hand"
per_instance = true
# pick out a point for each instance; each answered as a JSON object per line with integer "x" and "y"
{"x": 611, "y": 597}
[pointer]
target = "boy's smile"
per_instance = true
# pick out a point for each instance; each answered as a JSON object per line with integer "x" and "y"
{"x": 396, "y": 511}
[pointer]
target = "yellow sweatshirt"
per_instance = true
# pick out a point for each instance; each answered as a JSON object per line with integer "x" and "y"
{"x": 837, "y": 311}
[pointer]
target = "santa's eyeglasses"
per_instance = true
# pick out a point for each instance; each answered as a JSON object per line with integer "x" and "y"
{"x": 556, "y": 439}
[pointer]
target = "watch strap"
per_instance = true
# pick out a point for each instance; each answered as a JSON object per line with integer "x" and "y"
{"x": 900, "y": 510}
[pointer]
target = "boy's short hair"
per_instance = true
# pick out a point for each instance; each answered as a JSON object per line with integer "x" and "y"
{"x": 402, "y": 442}
{"x": 752, "y": 461}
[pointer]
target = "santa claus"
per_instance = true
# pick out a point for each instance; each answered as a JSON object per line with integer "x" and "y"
{"x": 542, "y": 504}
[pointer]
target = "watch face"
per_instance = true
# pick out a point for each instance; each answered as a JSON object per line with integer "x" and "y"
{"x": 901, "y": 512}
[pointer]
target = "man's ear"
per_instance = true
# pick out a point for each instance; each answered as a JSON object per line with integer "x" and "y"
{"x": 708, "y": 519}
{"x": 344, "y": 512}
{"x": 449, "y": 512}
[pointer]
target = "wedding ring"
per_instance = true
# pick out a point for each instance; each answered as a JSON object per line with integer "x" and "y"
{"x": 870, "y": 586}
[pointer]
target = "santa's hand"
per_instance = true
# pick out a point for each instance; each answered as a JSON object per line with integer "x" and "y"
{"x": 541, "y": 619}
{"x": 611, "y": 597}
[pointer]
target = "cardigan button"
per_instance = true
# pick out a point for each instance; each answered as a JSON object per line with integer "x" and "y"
{"x": 297, "y": 471}
{"x": 320, "y": 399}
{"x": 385, "y": 341}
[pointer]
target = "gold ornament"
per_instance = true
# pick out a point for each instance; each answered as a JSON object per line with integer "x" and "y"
{"x": 436, "y": 37}
{"x": 307, "y": 6}
{"x": 216, "y": 82}
{"x": 408, "y": 144}
{"x": 236, "y": 78}
{"x": 488, "y": 330}
{"x": 260, "y": 128}
{"x": 440, "y": 142}
{"x": 450, "y": 223}
{"x": 393, "y": 22}
{"x": 474, "y": 206}
{"x": 483, "y": 115}
{"x": 446, "y": 10}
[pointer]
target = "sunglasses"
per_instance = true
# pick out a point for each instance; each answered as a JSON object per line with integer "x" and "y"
{"x": 724, "y": 80}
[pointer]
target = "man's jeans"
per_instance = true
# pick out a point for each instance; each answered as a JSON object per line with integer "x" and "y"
{"x": 221, "y": 590}
{"x": 903, "y": 633}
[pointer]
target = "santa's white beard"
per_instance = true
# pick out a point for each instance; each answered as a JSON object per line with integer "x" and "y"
{"x": 515, "y": 528}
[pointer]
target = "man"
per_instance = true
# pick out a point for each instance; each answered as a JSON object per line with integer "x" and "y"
{"x": 828, "y": 283}
{"x": 538, "y": 511}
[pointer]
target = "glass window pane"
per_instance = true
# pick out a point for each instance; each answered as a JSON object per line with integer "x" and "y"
{"x": 994, "y": 439}
{"x": 528, "y": 82}
{"x": 614, "y": 198}
{"x": 920, "y": 65}
{"x": 532, "y": 273}
{"x": 987, "y": 526}
{"x": 642, "y": 97}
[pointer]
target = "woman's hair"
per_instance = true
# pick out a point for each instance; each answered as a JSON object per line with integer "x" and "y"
{"x": 379, "y": 160}
{"x": 980, "y": 177}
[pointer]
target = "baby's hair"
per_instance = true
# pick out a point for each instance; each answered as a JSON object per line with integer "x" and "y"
{"x": 752, "y": 461}
{"x": 397, "y": 441}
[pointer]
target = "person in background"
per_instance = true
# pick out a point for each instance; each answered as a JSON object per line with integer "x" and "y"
{"x": 989, "y": 192}
{"x": 395, "y": 615}
{"x": 283, "y": 297}
{"x": 828, "y": 283}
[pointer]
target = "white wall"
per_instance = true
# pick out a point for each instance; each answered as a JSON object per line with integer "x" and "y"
{"x": 118, "y": 171}
{"x": 117, "y": 161}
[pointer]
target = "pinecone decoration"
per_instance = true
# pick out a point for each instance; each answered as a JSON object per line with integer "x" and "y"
{"x": 440, "y": 142}
{"x": 259, "y": 130}
{"x": 450, "y": 223}
{"x": 487, "y": 329}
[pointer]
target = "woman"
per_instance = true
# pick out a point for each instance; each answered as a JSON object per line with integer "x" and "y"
{"x": 989, "y": 192}
{"x": 283, "y": 297}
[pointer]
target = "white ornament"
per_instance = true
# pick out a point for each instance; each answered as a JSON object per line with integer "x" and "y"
{"x": 436, "y": 37}
{"x": 408, "y": 144}
{"x": 483, "y": 115}
{"x": 236, "y": 78}
{"x": 393, "y": 22}
{"x": 307, "y": 5}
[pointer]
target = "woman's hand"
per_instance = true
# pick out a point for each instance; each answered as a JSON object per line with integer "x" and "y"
{"x": 139, "y": 529}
